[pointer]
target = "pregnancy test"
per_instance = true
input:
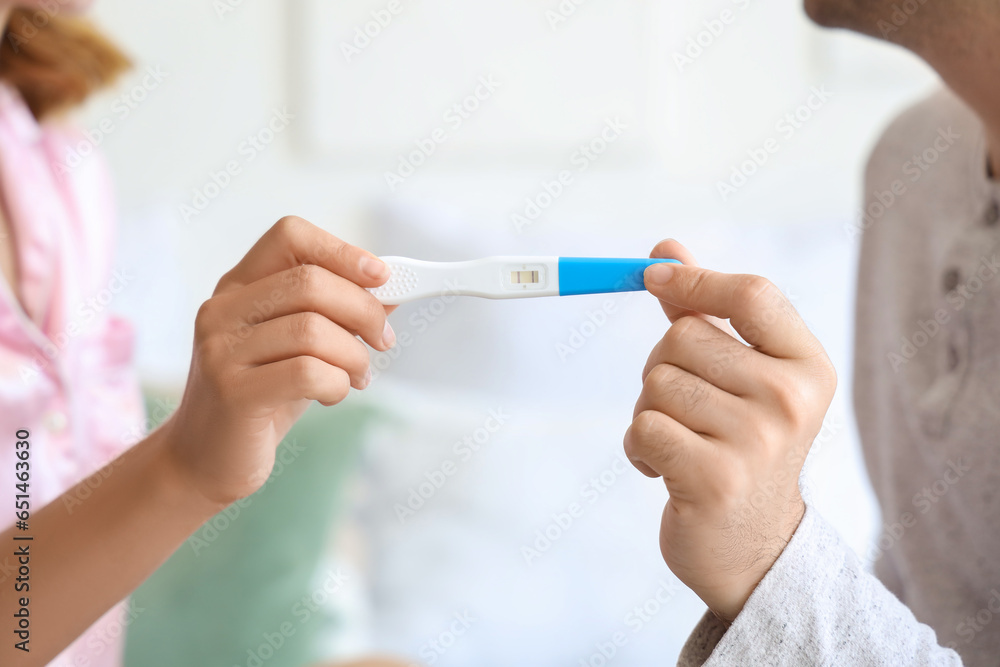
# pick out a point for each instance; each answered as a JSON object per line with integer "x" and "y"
{"x": 511, "y": 277}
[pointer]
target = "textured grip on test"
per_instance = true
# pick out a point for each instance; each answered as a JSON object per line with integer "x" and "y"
{"x": 402, "y": 281}
{"x": 598, "y": 275}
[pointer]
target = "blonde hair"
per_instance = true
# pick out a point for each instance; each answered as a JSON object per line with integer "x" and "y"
{"x": 55, "y": 61}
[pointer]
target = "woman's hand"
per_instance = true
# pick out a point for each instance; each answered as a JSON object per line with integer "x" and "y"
{"x": 280, "y": 331}
{"x": 727, "y": 425}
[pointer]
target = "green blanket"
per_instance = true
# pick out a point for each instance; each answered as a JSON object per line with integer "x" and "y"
{"x": 248, "y": 588}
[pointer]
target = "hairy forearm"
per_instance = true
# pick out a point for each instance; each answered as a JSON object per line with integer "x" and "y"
{"x": 94, "y": 545}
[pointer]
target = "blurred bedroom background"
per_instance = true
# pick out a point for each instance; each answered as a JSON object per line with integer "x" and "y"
{"x": 427, "y": 517}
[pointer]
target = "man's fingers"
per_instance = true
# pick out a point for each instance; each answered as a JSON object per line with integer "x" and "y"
{"x": 704, "y": 350}
{"x": 305, "y": 334}
{"x": 758, "y": 311}
{"x": 660, "y": 446}
{"x": 691, "y": 401}
{"x": 671, "y": 249}
{"x": 293, "y": 241}
{"x": 308, "y": 288}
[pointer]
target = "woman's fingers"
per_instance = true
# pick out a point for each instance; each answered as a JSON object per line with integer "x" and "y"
{"x": 307, "y": 288}
{"x": 292, "y": 242}
{"x": 288, "y": 380}
{"x": 281, "y": 326}
{"x": 305, "y": 334}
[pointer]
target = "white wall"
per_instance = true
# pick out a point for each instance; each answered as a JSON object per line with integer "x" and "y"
{"x": 226, "y": 74}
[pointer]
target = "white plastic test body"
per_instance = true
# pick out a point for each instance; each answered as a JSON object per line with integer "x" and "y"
{"x": 510, "y": 277}
{"x": 491, "y": 278}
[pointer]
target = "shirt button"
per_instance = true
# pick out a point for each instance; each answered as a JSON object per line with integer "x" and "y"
{"x": 993, "y": 214}
{"x": 55, "y": 421}
{"x": 952, "y": 358}
{"x": 950, "y": 279}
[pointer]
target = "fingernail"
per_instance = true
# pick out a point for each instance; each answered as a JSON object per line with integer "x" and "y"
{"x": 388, "y": 335}
{"x": 660, "y": 273}
{"x": 373, "y": 268}
{"x": 367, "y": 379}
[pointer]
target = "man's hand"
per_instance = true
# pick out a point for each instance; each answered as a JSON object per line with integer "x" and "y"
{"x": 727, "y": 425}
{"x": 281, "y": 329}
